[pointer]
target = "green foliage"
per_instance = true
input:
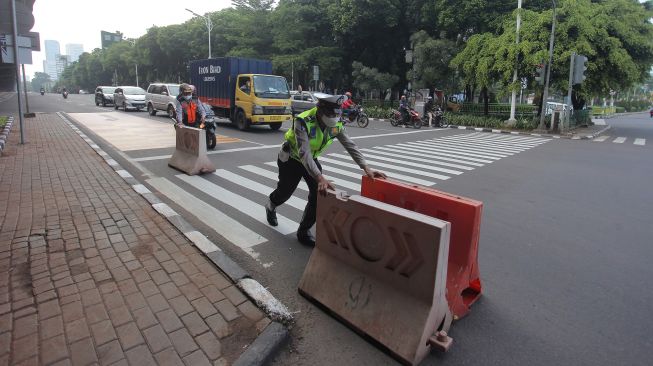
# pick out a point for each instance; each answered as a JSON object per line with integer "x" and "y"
{"x": 40, "y": 80}
{"x": 456, "y": 43}
{"x": 3, "y": 121}
{"x": 368, "y": 78}
{"x": 379, "y": 112}
{"x": 632, "y": 106}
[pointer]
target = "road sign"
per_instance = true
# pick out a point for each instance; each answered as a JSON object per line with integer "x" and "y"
{"x": 7, "y": 49}
{"x": 316, "y": 73}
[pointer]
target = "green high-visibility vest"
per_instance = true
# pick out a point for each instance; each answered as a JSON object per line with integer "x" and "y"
{"x": 319, "y": 140}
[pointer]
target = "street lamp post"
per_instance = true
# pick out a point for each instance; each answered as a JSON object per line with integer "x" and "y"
{"x": 133, "y": 42}
{"x": 209, "y": 25}
{"x": 545, "y": 95}
{"x": 513, "y": 101}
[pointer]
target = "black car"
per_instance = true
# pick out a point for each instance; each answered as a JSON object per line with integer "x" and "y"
{"x": 104, "y": 95}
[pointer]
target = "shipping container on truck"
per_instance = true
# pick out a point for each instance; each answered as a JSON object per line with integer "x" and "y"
{"x": 243, "y": 90}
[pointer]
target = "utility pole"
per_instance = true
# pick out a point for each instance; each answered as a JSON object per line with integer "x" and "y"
{"x": 513, "y": 101}
{"x": 545, "y": 95}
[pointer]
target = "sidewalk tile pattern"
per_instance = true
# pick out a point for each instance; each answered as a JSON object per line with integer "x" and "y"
{"x": 91, "y": 273}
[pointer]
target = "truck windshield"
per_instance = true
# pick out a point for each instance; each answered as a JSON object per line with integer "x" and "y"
{"x": 274, "y": 87}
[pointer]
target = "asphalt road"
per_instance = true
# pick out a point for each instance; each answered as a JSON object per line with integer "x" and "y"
{"x": 565, "y": 245}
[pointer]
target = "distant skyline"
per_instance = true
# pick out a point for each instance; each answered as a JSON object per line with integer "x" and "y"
{"x": 132, "y": 18}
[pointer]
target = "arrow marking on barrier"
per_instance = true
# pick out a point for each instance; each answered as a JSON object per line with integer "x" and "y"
{"x": 416, "y": 259}
{"x": 334, "y": 222}
{"x": 400, "y": 253}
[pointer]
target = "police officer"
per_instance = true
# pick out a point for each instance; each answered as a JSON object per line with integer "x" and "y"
{"x": 311, "y": 134}
{"x": 189, "y": 110}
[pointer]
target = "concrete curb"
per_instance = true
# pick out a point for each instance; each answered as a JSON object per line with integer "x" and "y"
{"x": 276, "y": 332}
{"x": 4, "y": 135}
{"x": 267, "y": 343}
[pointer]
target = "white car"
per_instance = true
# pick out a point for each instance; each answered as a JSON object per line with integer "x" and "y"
{"x": 162, "y": 97}
{"x": 129, "y": 97}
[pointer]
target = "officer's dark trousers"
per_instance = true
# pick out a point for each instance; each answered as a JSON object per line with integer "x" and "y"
{"x": 290, "y": 173}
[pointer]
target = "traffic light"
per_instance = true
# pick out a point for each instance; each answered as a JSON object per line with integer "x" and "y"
{"x": 580, "y": 65}
{"x": 539, "y": 74}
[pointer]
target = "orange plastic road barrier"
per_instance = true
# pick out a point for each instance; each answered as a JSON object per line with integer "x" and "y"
{"x": 382, "y": 270}
{"x": 464, "y": 214}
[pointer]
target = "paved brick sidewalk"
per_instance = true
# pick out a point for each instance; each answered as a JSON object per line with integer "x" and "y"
{"x": 91, "y": 273}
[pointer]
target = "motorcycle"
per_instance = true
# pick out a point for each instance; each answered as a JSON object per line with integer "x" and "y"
{"x": 42, "y": 92}
{"x": 65, "y": 95}
{"x": 414, "y": 119}
{"x": 357, "y": 115}
{"x": 209, "y": 126}
{"x": 439, "y": 120}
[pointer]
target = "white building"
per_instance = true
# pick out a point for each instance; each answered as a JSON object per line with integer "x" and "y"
{"x": 74, "y": 50}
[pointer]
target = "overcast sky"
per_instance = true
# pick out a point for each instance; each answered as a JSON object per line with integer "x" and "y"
{"x": 80, "y": 21}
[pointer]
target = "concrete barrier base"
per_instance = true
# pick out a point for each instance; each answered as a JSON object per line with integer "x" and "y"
{"x": 190, "y": 152}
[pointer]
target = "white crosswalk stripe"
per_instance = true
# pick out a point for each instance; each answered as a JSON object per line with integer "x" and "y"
{"x": 620, "y": 140}
{"x": 240, "y": 203}
{"x": 244, "y": 189}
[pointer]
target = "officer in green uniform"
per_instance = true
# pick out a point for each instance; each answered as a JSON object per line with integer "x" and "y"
{"x": 311, "y": 134}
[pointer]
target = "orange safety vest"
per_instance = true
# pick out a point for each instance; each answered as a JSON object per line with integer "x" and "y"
{"x": 190, "y": 111}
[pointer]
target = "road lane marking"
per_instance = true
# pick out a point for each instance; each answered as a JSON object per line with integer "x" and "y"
{"x": 601, "y": 138}
{"x": 295, "y": 202}
{"x": 619, "y": 140}
{"x": 402, "y": 177}
{"x": 640, "y": 142}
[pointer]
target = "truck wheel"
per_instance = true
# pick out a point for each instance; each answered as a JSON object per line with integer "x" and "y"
{"x": 241, "y": 121}
{"x": 275, "y": 126}
{"x": 151, "y": 110}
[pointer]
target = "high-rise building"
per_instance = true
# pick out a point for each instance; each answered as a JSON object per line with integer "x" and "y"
{"x": 52, "y": 54}
{"x": 74, "y": 50}
{"x": 61, "y": 63}
{"x": 52, "y": 49}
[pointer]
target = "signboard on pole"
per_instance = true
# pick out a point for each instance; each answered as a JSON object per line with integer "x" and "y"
{"x": 316, "y": 73}
{"x": 7, "y": 49}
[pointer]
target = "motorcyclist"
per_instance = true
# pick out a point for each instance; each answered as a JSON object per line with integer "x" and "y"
{"x": 429, "y": 109}
{"x": 190, "y": 111}
{"x": 42, "y": 90}
{"x": 404, "y": 108}
{"x": 348, "y": 104}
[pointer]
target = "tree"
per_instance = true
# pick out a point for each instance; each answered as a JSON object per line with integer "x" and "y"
{"x": 369, "y": 78}
{"x": 615, "y": 35}
{"x": 40, "y": 80}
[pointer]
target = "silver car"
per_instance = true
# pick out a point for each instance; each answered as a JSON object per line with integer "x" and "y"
{"x": 129, "y": 97}
{"x": 162, "y": 97}
{"x": 301, "y": 102}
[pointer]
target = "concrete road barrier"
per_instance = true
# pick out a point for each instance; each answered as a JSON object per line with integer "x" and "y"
{"x": 464, "y": 214}
{"x": 190, "y": 152}
{"x": 382, "y": 270}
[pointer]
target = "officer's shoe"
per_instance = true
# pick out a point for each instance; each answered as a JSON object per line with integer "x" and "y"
{"x": 271, "y": 216}
{"x": 306, "y": 237}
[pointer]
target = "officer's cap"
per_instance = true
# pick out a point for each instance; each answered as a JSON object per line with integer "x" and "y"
{"x": 185, "y": 87}
{"x": 330, "y": 99}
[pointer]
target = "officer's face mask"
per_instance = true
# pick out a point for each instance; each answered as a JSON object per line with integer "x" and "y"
{"x": 187, "y": 97}
{"x": 330, "y": 116}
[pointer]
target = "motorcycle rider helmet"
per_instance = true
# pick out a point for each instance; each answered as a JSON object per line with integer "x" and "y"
{"x": 328, "y": 107}
{"x": 348, "y": 94}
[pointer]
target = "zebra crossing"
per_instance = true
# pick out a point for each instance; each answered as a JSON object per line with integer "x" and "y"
{"x": 231, "y": 201}
{"x": 621, "y": 140}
